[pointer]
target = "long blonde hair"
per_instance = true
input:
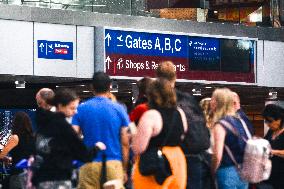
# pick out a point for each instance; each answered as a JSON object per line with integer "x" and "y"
{"x": 224, "y": 103}
{"x": 205, "y": 106}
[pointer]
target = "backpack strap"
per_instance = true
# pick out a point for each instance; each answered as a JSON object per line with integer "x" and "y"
{"x": 245, "y": 128}
{"x": 227, "y": 148}
{"x": 184, "y": 122}
{"x": 229, "y": 126}
{"x": 170, "y": 129}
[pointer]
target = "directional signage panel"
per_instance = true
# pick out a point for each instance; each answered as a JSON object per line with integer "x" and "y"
{"x": 146, "y": 44}
{"x": 55, "y": 50}
{"x": 137, "y": 54}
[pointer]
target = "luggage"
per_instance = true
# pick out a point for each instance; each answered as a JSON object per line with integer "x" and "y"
{"x": 197, "y": 138}
{"x": 256, "y": 166}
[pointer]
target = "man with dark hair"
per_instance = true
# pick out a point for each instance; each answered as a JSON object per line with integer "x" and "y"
{"x": 100, "y": 119}
{"x": 101, "y": 82}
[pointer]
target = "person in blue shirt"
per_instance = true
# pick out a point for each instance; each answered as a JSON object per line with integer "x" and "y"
{"x": 101, "y": 119}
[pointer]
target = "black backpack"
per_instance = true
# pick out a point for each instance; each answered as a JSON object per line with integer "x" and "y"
{"x": 197, "y": 138}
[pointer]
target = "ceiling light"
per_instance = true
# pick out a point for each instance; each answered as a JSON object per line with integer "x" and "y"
{"x": 196, "y": 92}
{"x": 20, "y": 84}
{"x": 272, "y": 95}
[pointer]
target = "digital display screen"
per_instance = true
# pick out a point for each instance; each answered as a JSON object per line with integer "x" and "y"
{"x": 225, "y": 55}
{"x": 204, "y": 54}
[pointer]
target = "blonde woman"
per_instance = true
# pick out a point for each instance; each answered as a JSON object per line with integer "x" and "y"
{"x": 222, "y": 106}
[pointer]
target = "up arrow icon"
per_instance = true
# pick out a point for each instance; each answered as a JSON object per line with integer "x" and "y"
{"x": 108, "y": 38}
{"x": 41, "y": 45}
{"x": 108, "y": 60}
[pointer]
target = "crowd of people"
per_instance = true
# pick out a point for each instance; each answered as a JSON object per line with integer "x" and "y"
{"x": 156, "y": 153}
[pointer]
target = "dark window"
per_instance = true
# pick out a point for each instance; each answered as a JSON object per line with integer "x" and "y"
{"x": 236, "y": 55}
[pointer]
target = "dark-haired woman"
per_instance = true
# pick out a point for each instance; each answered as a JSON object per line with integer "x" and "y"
{"x": 22, "y": 127}
{"x": 274, "y": 119}
{"x": 57, "y": 144}
{"x": 163, "y": 120}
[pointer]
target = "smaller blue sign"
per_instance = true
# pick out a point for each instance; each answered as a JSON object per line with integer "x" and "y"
{"x": 55, "y": 50}
{"x": 204, "y": 53}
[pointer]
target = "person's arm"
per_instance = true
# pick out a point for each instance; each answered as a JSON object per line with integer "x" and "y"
{"x": 79, "y": 149}
{"x": 149, "y": 125}
{"x": 77, "y": 129}
{"x": 279, "y": 153}
{"x": 125, "y": 147}
{"x": 12, "y": 143}
{"x": 219, "y": 135}
{"x": 76, "y": 122}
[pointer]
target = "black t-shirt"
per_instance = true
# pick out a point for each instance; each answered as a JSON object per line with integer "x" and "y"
{"x": 57, "y": 145}
{"x": 23, "y": 150}
{"x": 277, "y": 162}
{"x": 172, "y": 123}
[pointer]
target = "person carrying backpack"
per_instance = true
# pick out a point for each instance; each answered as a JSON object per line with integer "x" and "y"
{"x": 223, "y": 167}
{"x": 197, "y": 138}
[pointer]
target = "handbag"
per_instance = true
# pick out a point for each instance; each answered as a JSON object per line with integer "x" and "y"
{"x": 154, "y": 162}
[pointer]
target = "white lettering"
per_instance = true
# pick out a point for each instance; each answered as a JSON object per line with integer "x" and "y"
{"x": 60, "y": 46}
{"x": 134, "y": 65}
{"x": 144, "y": 44}
{"x": 128, "y": 43}
{"x": 157, "y": 44}
{"x": 176, "y": 45}
{"x": 167, "y": 44}
{"x": 150, "y": 44}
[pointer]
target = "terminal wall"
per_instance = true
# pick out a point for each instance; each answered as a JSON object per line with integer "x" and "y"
{"x": 270, "y": 67}
{"x": 20, "y": 31}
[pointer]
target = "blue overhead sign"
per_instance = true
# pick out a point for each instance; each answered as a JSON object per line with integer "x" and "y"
{"x": 138, "y": 53}
{"x": 55, "y": 50}
{"x": 146, "y": 44}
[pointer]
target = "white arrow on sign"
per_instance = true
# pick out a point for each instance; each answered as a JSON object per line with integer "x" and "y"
{"x": 108, "y": 37}
{"x": 41, "y": 45}
{"x": 108, "y": 60}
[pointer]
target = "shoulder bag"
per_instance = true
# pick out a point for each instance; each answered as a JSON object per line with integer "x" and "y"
{"x": 154, "y": 162}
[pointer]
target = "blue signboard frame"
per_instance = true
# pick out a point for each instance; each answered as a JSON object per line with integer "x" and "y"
{"x": 195, "y": 57}
{"x": 55, "y": 50}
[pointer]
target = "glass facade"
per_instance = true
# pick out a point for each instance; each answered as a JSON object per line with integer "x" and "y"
{"x": 246, "y": 12}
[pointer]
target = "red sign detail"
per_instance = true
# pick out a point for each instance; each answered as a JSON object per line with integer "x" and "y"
{"x": 140, "y": 66}
{"x": 61, "y": 51}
